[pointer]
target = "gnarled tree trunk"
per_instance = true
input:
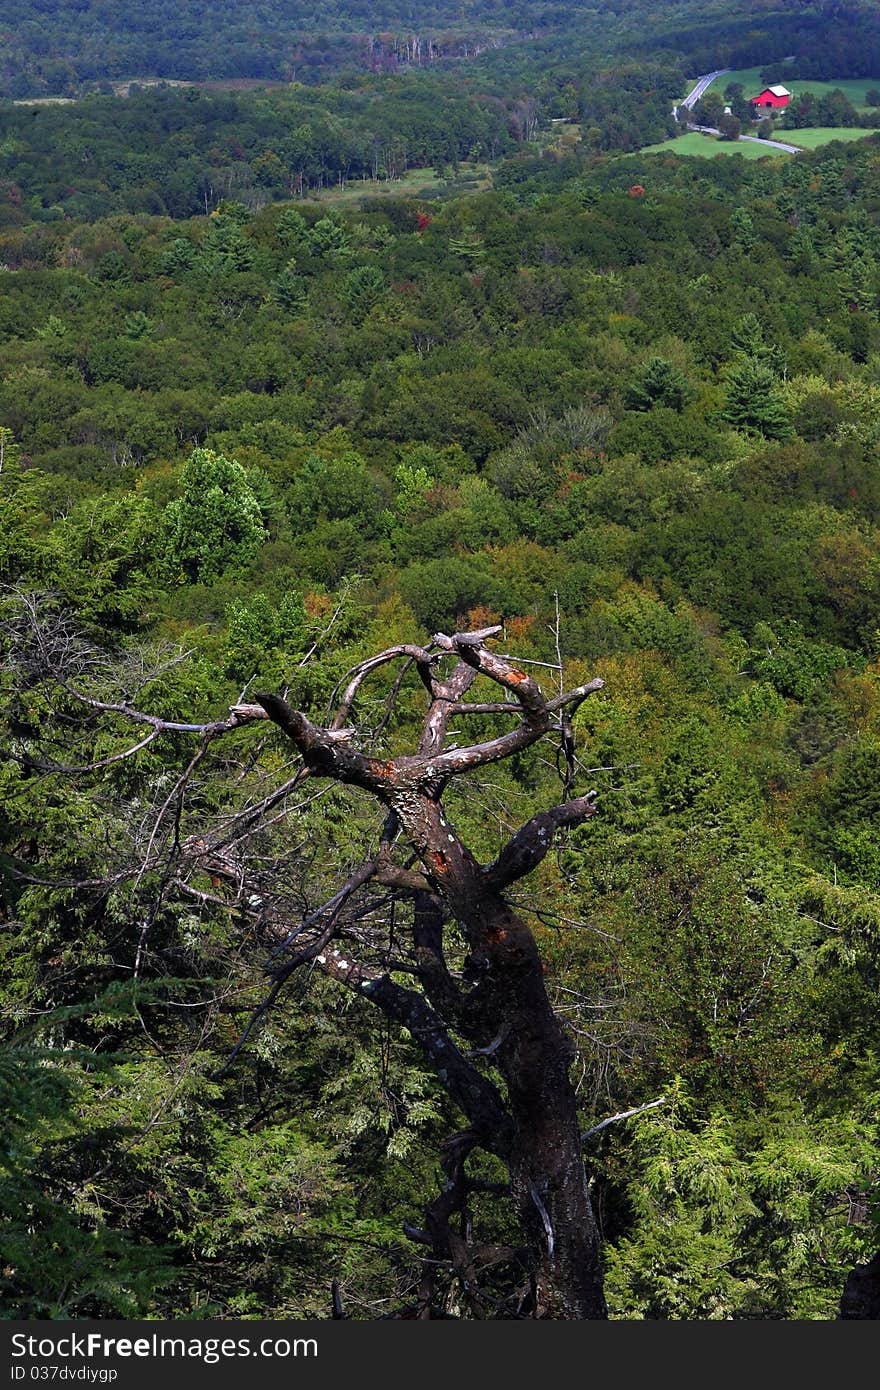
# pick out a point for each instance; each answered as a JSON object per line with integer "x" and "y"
{"x": 500, "y": 1005}
{"x": 480, "y": 1015}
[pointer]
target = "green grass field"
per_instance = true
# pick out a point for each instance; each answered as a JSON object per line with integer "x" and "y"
{"x": 822, "y": 135}
{"x": 706, "y": 146}
{"x": 470, "y": 178}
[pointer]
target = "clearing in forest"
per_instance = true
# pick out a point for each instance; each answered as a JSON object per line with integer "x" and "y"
{"x": 695, "y": 143}
{"x": 854, "y": 88}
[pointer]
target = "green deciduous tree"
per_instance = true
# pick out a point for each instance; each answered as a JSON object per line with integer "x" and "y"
{"x": 215, "y": 523}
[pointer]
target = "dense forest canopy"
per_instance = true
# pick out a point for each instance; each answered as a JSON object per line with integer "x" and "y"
{"x": 181, "y": 151}
{"x": 255, "y": 429}
{"x": 57, "y": 48}
{"x": 179, "y": 39}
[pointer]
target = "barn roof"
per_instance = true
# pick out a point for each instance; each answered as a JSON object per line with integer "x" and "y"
{"x": 777, "y": 91}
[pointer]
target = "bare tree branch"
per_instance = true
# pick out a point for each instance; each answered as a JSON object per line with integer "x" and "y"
{"x": 239, "y": 716}
{"x": 527, "y": 848}
{"x": 446, "y": 697}
{"x": 476, "y": 1095}
{"x": 623, "y": 1115}
{"x": 68, "y": 770}
{"x": 423, "y": 662}
{"x": 577, "y": 696}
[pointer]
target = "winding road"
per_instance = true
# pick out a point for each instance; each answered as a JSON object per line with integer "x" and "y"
{"x": 702, "y": 83}
{"x": 754, "y": 139}
{"x": 693, "y": 97}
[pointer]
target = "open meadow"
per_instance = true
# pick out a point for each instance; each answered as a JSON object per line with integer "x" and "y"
{"x": 813, "y": 137}
{"x": 694, "y": 143}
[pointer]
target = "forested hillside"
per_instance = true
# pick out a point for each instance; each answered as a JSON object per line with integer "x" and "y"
{"x": 627, "y": 406}
{"x": 47, "y": 51}
{"x": 58, "y": 48}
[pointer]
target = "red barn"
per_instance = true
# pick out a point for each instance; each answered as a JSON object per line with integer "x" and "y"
{"x": 772, "y": 98}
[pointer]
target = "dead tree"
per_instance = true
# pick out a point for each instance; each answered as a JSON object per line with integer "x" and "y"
{"x": 483, "y": 1022}
{"x": 502, "y": 1010}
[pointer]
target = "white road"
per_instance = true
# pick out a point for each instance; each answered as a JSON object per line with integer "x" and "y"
{"x": 775, "y": 144}
{"x": 753, "y": 139}
{"x": 702, "y": 83}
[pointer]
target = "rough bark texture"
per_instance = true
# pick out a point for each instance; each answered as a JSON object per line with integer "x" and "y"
{"x": 509, "y": 1001}
{"x": 861, "y": 1293}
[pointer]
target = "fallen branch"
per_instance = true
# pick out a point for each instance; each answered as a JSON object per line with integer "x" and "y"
{"x": 623, "y": 1115}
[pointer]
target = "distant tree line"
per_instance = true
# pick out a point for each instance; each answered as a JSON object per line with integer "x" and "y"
{"x": 101, "y": 154}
